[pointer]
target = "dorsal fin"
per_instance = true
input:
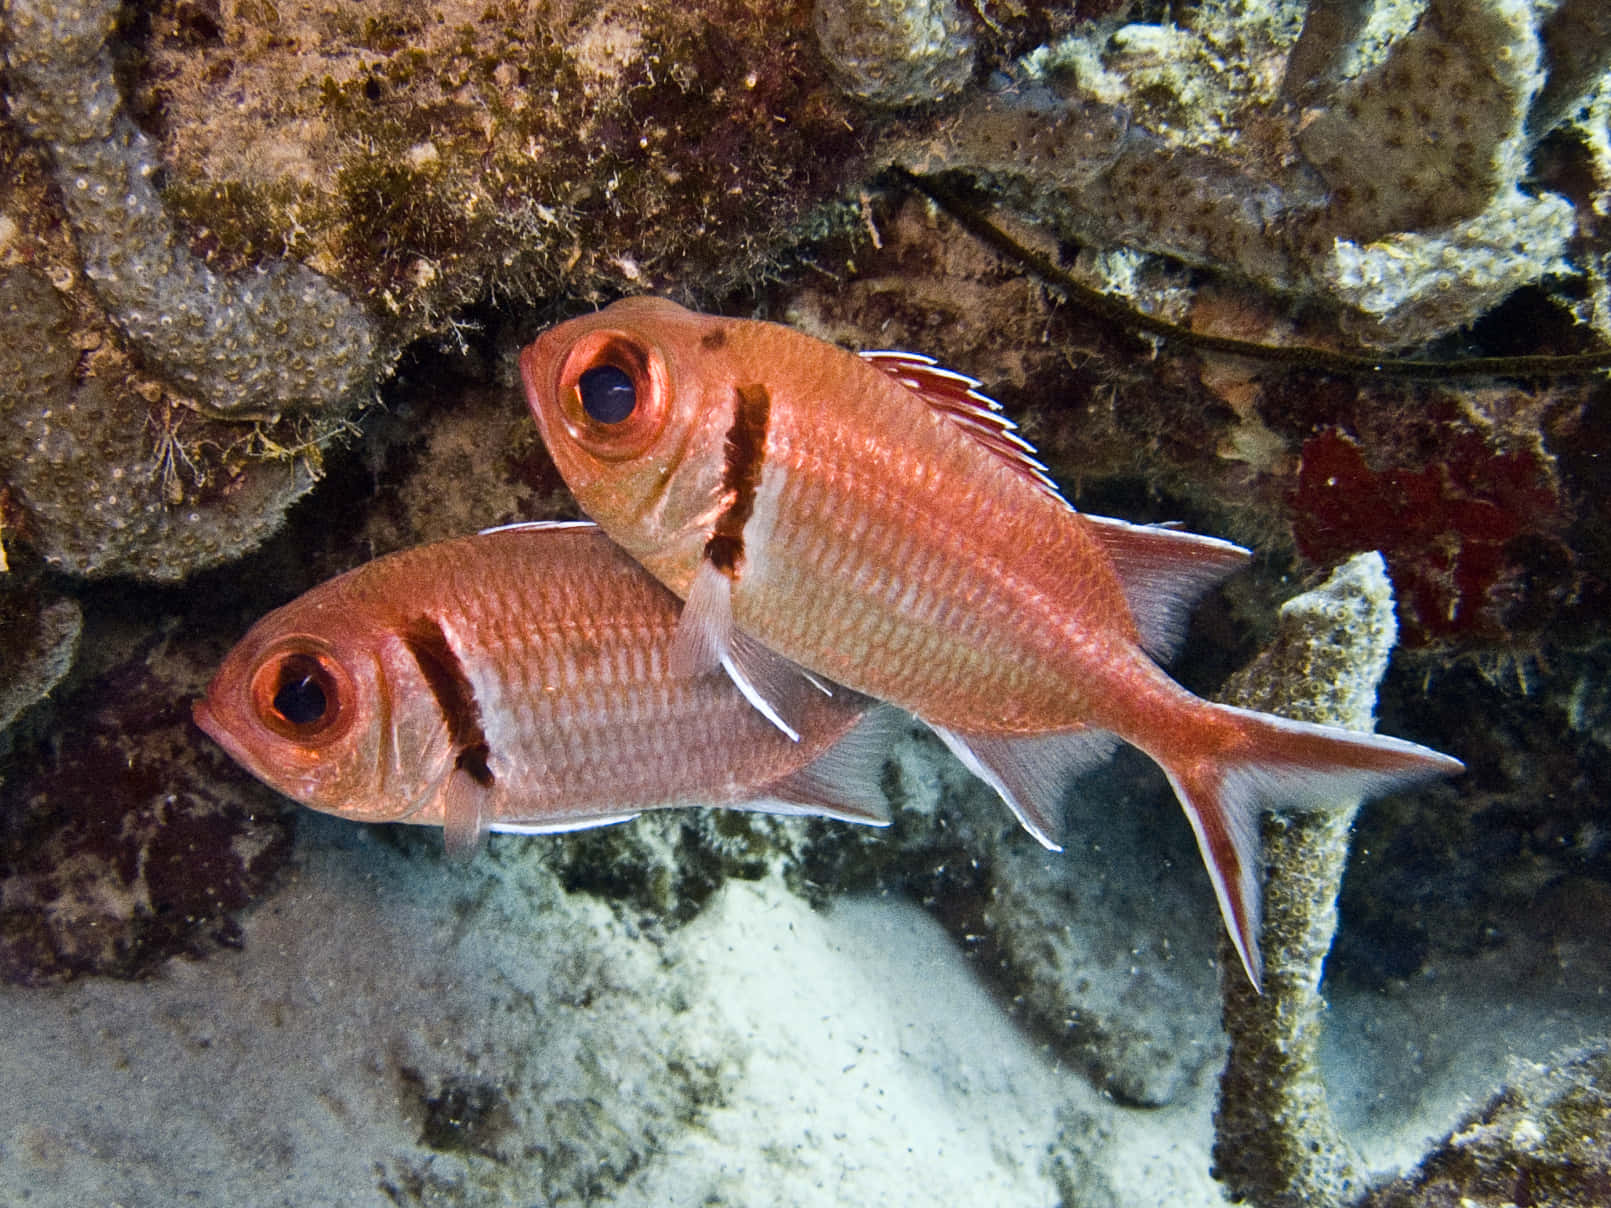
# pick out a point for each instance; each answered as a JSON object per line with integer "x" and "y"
{"x": 1164, "y": 571}
{"x": 958, "y": 398}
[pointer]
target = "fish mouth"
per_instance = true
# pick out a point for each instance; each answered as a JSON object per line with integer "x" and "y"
{"x": 201, "y": 712}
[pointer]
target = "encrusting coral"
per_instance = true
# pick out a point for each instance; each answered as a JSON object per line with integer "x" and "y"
{"x": 1394, "y": 194}
{"x": 896, "y": 53}
{"x": 122, "y": 350}
{"x": 1544, "y": 1139}
{"x": 38, "y": 639}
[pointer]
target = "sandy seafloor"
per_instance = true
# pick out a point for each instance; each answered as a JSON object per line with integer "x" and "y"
{"x": 764, "y": 1054}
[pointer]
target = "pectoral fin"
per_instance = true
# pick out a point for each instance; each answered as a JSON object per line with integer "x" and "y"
{"x": 464, "y": 816}
{"x": 706, "y": 639}
{"x": 705, "y": 630}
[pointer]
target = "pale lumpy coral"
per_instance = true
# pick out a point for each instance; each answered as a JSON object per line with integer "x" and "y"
{"x": 897, "y": 53}
{"x": 279, "y": 337}
{"x": 1276, "y": 1142}
{"x": 101, "y": 476}
{"x": 1396, "y": 191}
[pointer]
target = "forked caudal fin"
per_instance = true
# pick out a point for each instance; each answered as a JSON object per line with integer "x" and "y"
{"x": 1272, "y": 762}
{"x": 1282, "y": 763}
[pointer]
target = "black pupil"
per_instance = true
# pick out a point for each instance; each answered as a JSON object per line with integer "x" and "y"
{"x": 300, "y": 700}
{"x": 608, "y": 395}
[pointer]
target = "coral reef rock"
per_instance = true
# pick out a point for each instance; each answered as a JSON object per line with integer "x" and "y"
{"x": 1544, "y": 1139}
{"x": 896, "y": 53}
{"x": 1396, "y": 193}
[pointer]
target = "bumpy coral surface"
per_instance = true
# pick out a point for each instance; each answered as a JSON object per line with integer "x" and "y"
{"x": 38, "y": 639}
{"x": 897, "y": 53}
{"x": 1395, "y": 194}
{"x": 1276, "y": 1143}
{"x": 280, "y": 337}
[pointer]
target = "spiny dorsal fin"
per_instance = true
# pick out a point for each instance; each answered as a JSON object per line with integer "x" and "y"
{"x": 958, "y": 398}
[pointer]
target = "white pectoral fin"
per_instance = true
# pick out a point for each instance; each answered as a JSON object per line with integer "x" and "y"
{"x": 705, "y": 630}
{"x": 464, "y": 816}
{"x": 707, "y": 639}
{"x": 1031, "y": 771}
{"x": 769, "y": 682}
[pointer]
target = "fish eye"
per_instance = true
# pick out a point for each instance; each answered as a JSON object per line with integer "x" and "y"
{"x": 300, "y": 694}
{"x": 301, "y": 699}
{"x": 608, "y": 394}
{"x": 614, "y": 394}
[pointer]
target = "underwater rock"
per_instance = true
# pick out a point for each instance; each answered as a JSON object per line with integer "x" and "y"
{"x": 1576, "y": 38}
{"x": 105, "y": 468}
{"x": 1424, "y": 137}
{"x": 38, "y": 639}
{"x": 102, "y": 467}
{"x": 1393, "y": 195}
{"x": 1544, "y": 1139}
{"x": 126, "y": 839}
{"x": 420, "y": 159}
{"x": 281, "y": 337}
{"x": 1103, "y": 948}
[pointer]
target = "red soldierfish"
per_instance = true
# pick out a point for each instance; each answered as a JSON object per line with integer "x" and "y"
{"x": 517, "y": 681}
{"x": 878, "y": 521}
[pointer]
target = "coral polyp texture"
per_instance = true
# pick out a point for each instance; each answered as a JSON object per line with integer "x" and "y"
{"x": 279, "y": 337}
{"x": 1276, "y": 1143}
{"x": 897, "y": 53}
{"x": 1397, "y": 193}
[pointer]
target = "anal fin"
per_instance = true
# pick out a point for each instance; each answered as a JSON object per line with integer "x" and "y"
{"x": 845, "y": 781}
{"x": 1031, "y": 772}
{"x": 558, "y": 826}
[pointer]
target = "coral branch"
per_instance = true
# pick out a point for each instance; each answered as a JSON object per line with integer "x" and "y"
{"x": 1276, "y": 1142}
{"x": 283, "y": 337}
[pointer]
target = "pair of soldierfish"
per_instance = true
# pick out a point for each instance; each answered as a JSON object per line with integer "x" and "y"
{"x": 868, "y": 519}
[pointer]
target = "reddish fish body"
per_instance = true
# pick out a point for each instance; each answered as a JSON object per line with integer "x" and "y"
{"x": 874, "y": 519}
{"x": 516, "y": 680}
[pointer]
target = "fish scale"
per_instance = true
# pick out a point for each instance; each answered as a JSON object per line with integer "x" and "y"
{"x": 938, "y": 627}
{"x": 878, "y": 521}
